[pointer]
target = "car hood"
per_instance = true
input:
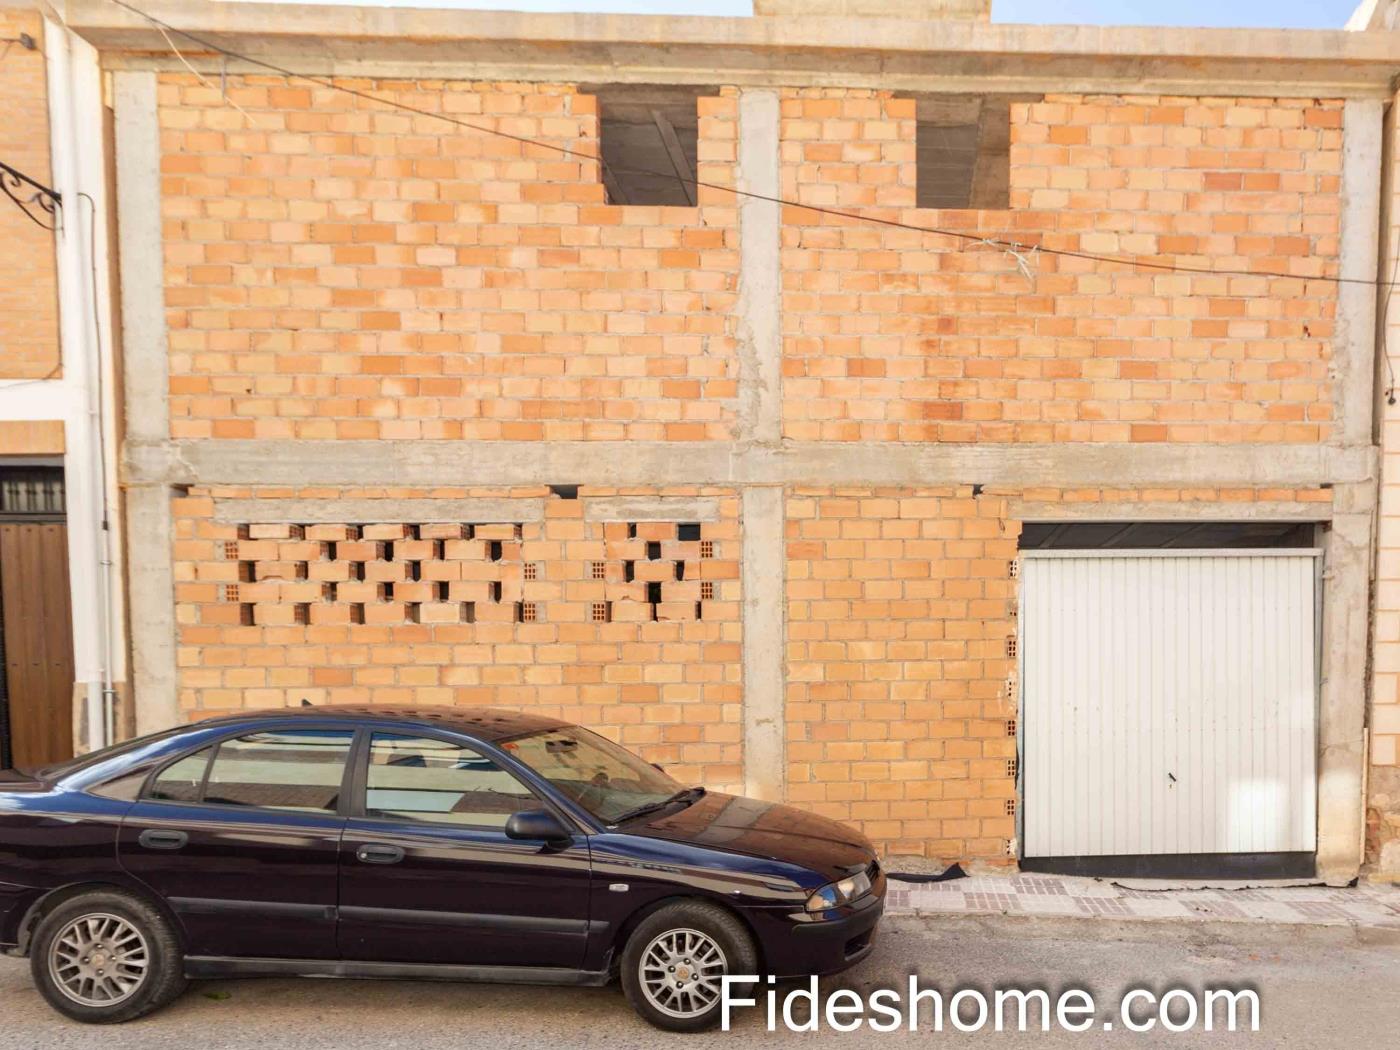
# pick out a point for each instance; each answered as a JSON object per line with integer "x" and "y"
{"x": 765, "y": 829}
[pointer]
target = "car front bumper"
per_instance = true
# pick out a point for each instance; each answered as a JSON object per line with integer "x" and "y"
{"x": 799, "y": 944}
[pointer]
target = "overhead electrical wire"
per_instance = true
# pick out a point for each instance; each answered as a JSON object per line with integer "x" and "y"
{"x": 966, "y": 238}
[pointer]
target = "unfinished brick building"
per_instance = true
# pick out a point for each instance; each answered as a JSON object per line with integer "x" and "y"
{"x": 962, "y": 430}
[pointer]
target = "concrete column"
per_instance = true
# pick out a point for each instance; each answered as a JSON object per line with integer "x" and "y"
{"x": 147, "y": 380}
{"x": 759, "y": 310}
{"x": 764, "y": 572}
{"x": 1354, "y": 339}
{"x": 1348, "y": 557}
{"x": 759, "y": 306}
{"x": 1341, "y": 714}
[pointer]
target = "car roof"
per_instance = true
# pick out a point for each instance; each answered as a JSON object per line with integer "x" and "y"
{"x": 485, "y": 723}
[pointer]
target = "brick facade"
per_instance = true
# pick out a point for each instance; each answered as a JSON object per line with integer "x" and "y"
{"x": 28, "y": 281}
{"x": 902, "y": 701}
{"x": 335, "y": 269}
{"x": 899, "y": 335}
{"x": 900, "y": 706}
{"x": 376, "y": 612}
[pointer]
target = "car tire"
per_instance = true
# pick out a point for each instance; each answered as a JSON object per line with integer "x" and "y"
{"x": 132, "y": 966}
{"x": 700, "y": 940}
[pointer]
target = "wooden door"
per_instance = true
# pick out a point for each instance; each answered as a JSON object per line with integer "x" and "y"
{"x": 38, "y": 641}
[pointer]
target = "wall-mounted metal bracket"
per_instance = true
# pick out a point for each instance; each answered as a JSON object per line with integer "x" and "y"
{"x": 33, "y": 198}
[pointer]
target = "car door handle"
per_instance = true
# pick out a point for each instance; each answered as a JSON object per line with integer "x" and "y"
{"x": 155, "y": 839}
{"x": 377, "y": 853}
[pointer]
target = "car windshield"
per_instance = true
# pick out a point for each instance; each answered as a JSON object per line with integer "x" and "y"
{"x": 605, "y": 779}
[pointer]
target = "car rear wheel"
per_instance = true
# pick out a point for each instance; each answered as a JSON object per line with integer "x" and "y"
{"x": 106, "y": 957}
{"x": 675, "y": 961}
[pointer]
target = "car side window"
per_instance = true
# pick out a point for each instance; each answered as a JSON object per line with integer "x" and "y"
{"x": 421, "y": 779}
{"x": 284, "y": 769}
{"x": 182, "y": 780}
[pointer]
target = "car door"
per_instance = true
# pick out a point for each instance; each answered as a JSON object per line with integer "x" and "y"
{"x": 428, "y": 874}
{"x": 242, "y": 839}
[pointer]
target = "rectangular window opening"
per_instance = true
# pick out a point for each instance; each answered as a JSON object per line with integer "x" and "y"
{"x": 649, "y": 142}
{"x": 963, "y": 149}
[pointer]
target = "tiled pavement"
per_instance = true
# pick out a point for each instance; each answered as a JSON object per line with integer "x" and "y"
{"x": 1066, "y": 897}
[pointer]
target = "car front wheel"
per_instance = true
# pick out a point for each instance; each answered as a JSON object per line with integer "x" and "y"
{"x": 106, "y": 957}
{"x": 675, "y": 961}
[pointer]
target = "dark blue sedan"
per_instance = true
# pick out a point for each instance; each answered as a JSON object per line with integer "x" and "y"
{"x": 457, "y": 844}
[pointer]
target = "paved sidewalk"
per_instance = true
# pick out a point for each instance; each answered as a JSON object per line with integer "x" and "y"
{"x": 1065, "y": 897}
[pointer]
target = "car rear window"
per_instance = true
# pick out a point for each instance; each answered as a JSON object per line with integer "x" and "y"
{"x": 59, "y": 770}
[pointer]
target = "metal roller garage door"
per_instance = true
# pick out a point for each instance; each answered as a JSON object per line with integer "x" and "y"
{"x": 1168, "y": 702}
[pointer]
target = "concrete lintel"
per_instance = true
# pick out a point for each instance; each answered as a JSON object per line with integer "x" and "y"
{"x": 1354, "y": 342}
{"x": 759, "y": 306}
{"x": 1254, "y": 510}
{"x": 432, "y": 464}
{"x": 651, "y": 508}
{"x": 1342, "y": 708}
{"x": 362, "y": 511}
{"x": 764, "y": 574}
{"x": 856, "y": 51}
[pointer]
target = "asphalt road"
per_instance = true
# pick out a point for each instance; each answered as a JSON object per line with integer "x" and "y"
{"x": 1317, "y": 987}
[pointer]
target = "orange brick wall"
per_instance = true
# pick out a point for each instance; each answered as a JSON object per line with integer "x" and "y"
{"x": 337, "y": 269}
{"x": 894, "y": 335}
{"x": 261, "y": 623}
{"x": 899, "y": 608}
{"x": 28, "y": 282}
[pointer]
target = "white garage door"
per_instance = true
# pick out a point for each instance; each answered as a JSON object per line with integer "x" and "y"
{"x": 1168, "y": 702}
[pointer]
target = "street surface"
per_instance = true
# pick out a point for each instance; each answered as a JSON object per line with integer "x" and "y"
{"x": 1319, "y": 987}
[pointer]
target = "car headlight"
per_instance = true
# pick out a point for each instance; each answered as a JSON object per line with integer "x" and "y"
{"x": 839, "y": 893}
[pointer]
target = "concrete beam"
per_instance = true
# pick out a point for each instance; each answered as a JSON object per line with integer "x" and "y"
{"x": 1342, "y": 708}
{"x": 651, "y": 508}
{"x": 1254, "y": 510}
{"x": 431, "y": 464}
{"x": 1354, "y": 341}
{"x": 366, "y": 511}
{"x": 905, "y": 54}
{"x": 907, "y": 9}
{"x": 764, "y": 575}
{"x": 149, "y": 524}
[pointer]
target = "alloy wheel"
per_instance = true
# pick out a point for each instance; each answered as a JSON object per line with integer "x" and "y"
{"x": 99, "y": 960}
{"x": 681, "y": 972}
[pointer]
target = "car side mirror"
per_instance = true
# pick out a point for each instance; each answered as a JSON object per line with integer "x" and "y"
{"x": 538, "y": 824}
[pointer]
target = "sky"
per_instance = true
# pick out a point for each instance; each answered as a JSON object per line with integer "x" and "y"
{"x": 1293, "y": 14}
